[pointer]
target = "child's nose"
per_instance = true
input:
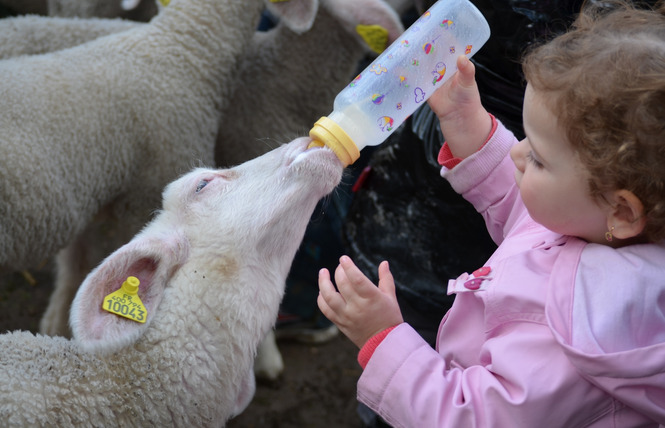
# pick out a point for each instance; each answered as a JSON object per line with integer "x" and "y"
{"x": 518, "y": 155}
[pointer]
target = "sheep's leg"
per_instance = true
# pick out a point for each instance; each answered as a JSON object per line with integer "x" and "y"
{"x": 69, "y": 274}
{"x": 268, "y": 363}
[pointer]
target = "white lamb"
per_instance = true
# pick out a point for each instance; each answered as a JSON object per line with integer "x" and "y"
{"x": 267, "y": 65}
{"x": 266, "y": 61}
{"x": 212, "y": 267}
{"x": 90, "y": 134}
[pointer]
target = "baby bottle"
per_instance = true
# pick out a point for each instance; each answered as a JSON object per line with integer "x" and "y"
{"x": 399, "y": 80}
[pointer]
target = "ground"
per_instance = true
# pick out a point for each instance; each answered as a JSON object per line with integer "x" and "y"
{"x": 317, "y": 389}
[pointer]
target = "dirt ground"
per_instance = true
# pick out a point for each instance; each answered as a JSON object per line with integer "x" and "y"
{"x": 317, "y": 388}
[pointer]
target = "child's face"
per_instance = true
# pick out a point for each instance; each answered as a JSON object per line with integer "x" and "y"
{"x": 553, "y": 182}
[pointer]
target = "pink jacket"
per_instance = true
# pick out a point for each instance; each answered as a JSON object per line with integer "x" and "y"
{"x": 561, "y": 333}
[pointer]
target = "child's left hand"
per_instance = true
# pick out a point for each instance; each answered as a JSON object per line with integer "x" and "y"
{"x": 360, "y": 309}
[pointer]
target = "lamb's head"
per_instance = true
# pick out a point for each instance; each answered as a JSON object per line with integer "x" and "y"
{"x": 223, "y": 233}
{"x": 257, "y": 210}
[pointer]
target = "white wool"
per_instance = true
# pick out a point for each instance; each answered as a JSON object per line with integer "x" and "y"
{"x": 286, "y": 79}
{"x": 35, "y": 34}
{"x": 270, "y": 65}
{"x": 91, "y": 134}
{"x": 114, "y": 117}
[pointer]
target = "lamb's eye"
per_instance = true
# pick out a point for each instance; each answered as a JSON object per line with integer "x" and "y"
{"x": 201, "y": 185}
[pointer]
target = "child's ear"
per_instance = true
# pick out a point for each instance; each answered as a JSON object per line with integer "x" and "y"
{"x": 626, "y": 219}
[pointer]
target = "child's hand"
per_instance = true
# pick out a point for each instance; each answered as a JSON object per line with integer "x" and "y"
{"x": 464, "y": 122}
{"x": 360, "y": 309}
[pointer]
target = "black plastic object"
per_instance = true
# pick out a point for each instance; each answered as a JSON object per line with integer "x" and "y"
{"x": 515, "y": 25}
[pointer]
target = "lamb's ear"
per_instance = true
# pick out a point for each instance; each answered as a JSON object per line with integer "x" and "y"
{"x": 297, "y": 15}
{"x": 153, "y": 260}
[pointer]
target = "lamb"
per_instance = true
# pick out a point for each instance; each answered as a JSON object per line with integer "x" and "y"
{"x": 299, "y": 15}
{"x": 268, "y": 62}
{"x": 91, "y": 134}
{"x": 212, "y": 266}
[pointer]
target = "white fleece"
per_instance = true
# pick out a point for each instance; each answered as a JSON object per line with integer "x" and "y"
{"x": 212, "y": 267}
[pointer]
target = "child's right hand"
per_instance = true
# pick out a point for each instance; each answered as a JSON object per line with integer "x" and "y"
{"x": 465, "y": 123}
{"x": 359, "y": 309}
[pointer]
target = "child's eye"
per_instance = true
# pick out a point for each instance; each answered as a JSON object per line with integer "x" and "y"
{"x": 533, "y": 160}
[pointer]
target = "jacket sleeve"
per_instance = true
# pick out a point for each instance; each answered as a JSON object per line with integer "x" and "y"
{"x": 487, "y": 180}
{"x": 411, "y": 385}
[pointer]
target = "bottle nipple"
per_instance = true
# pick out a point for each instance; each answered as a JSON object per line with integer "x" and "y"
{"x": 328, "y": 133}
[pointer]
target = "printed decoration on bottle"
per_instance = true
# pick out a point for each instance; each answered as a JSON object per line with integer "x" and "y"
{"x": 419, "y": 95}
{"x": 439, "y": 72}
{"x": 427, "y": 47}
{"x": 378, "y": 69}
{"x": 423, "y": 19}
{"x": 355, "y": 81}
{"x": 386, "y": 123}
{"x": 401, "y": 66}
{"x": 447, "y": 24}
{"x": 403, "y": 81}
{"x": 378, "y": 98}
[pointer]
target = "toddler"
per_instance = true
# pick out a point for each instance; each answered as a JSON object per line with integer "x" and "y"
{"x": 564, "y": 326}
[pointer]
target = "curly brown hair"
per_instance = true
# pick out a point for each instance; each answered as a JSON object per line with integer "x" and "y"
{"x": 605, "y": 81}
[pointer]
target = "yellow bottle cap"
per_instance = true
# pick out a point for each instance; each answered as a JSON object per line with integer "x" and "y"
{"x": 125, "y": 301}
{"x": 327, "y": 132}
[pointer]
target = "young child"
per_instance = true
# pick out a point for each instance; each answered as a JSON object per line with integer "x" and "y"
{"x": 565, "y": 324}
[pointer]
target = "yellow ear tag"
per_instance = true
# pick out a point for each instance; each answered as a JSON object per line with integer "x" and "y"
{"x": 375, "y": 36}
{"x": 126, "y": 302}
{"x": 164, "y": 2}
